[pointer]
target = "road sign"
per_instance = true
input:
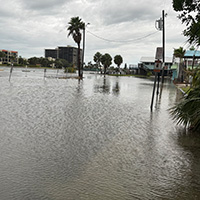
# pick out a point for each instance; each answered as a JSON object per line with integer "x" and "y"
{"x": 159, "y": 53}
{"x": 158, "y": 66}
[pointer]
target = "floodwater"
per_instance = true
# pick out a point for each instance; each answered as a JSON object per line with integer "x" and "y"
{"x": 96, "y": 139}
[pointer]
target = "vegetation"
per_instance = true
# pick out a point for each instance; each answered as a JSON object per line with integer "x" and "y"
{"x": 2, "y": 54}
{"x": 70, "y": 70}
{"x": 187, "y": 111}
{"x": 190, "y": 15}
{"x": 118, "y": 60}
{"x": 22, "y": 61}
{"x": 186, "y": 89}
{"x": 106, "y": 61}
{"x": 45, "y": 62}
{"x": 75, "y": 27}
{"x": 97, "y": 59}
{"x": 179, "y": 53}
{"x": 135, "y": 75}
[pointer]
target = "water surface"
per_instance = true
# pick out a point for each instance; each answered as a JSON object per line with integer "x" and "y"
{"x": 96, "y": 139}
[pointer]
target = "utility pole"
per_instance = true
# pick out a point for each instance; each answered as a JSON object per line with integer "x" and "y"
{"x": 163, "y": 41}
{"x": 83, "y": 51}
{"x": 160, "y": 25}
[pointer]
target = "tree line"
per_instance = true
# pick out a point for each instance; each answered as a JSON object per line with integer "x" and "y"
{"x": 45, "y": 62}
{"x": 106, "y": 61}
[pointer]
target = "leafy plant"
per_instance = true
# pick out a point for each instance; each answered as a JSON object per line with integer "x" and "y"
{"x": 187, "y": 111}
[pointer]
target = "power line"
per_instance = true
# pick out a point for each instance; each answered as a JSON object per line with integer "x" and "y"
{"x": 122, "y": 41}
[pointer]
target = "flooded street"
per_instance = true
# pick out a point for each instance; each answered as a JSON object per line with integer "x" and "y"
{"x": 96, "y": 139}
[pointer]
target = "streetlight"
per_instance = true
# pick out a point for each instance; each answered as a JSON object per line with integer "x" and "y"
{"x": 83, "y": 51}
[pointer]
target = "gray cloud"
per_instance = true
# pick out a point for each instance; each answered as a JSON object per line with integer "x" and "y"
{"x": 32, "y": 26}
{"x": 43, "y": 4}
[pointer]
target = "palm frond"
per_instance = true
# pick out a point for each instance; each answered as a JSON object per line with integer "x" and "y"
{"x": 187, "y": 112}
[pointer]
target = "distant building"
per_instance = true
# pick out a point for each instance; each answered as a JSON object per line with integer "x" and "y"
{"x": 8, "y": 57}
{"x": 68, "y": 53}
{"x": 51, "y": 53}
{"x": 149, "y": 62}
{"x": 192, "y": 57}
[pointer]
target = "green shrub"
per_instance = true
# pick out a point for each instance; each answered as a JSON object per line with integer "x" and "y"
{"x": 70, "y": 70}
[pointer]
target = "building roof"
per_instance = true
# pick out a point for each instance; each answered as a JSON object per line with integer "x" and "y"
{"x": 152, "y": 59}
{"x": 191, "y": 53}
{"x": 9, "y": 51}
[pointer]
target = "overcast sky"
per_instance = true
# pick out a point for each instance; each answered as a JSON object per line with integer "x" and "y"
{"x": 125, "y": 27}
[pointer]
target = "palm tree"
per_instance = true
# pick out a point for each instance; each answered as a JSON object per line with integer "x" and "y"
{"x": 187, "y": 111}
{"x": 179, "y": 53}
{"x": 75, "y": 27}
{"x": 97, "y": 59}
{"x": 118, "y": 60}
{"x": 106, "y": 61}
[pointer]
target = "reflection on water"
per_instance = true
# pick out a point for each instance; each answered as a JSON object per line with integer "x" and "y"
{"x": 116, "y": 88}
{"x": 94, "y": 139}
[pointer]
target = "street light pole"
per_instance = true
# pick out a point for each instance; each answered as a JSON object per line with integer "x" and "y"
{"x": 83, "y": 51}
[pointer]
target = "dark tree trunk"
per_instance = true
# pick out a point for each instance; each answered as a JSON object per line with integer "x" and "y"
{"x": 193, "y": 60}
{"x": 79, "y": 63}
{"x": 105, "y": 70}
{"x": 180, "y": 75}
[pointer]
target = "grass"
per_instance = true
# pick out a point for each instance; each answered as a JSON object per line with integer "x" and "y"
{"x": 186, "y": 89}
{"x": 135, "y": 75}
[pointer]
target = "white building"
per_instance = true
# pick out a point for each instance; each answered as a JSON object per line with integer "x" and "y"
{"x": 8, "y": 57}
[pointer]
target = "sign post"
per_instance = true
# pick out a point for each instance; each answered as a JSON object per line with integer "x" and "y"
{"x": 11, "y": 69}
{"x": 157, "y": 69}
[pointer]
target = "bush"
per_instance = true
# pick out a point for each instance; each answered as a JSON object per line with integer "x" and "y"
{"x": 70, "y": 70}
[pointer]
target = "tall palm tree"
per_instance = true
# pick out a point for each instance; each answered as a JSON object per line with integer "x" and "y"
{"x": 97, "y": 59}
{"x": 106, "y": 61}
{"x": 179, "y": 53}
{"x": 75, "y": 27}
{"x": 118, "y": 60}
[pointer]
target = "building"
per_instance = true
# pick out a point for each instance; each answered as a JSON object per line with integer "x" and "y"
{"x": 8, "y": 57}
{"x": 68, "y": 53}
{"x": 192, "y": 59}
{"x": 51, "y": 53}
{"x": 149, "y": 62}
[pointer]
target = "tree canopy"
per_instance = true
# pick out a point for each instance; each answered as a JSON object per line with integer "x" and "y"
{"x": 97, "y": 57}
{"x": 118, "y": 60}
{"x": 190, "y": 15}
{"x": 106, "y": 61}
{"x": 179, "y": 53}
{"x": 74, "y": 28}
{"x": 2, "y": 54}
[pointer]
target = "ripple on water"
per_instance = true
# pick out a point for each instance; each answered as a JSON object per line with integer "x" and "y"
{"x": 96, "y": 139}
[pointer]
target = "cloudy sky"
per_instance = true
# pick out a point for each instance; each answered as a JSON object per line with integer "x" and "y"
{"x": 125, "y": 27}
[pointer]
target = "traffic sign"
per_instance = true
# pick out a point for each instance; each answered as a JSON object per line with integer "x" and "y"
{"x": 158, "y": 66}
